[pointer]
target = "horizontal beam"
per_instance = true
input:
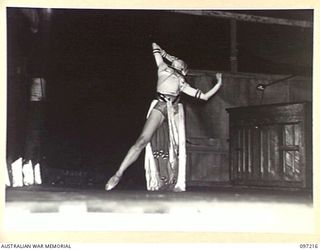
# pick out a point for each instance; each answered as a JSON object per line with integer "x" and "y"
{"x": 247, "y": 18}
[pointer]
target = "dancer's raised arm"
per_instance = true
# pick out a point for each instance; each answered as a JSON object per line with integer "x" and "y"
{"x": 160, "y": 53}
{"x": 157, "y": 54}
{"x": 197, "y": 93}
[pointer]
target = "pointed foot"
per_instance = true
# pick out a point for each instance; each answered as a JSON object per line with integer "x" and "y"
{"x": 113, "y": 181}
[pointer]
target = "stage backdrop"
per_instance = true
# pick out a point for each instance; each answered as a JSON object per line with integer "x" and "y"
{"x": 207, "y": 124}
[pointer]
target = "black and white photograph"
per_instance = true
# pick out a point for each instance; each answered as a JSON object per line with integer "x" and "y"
{"x": 159, "y": 120}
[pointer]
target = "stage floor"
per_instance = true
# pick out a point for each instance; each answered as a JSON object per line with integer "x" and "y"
{"x": 218, "y": 209}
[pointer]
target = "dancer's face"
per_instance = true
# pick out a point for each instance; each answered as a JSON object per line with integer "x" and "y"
{"x": 181, "y": 66}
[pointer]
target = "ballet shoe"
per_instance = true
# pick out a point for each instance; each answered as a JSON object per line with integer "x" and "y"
{"x": 113, "y": 181}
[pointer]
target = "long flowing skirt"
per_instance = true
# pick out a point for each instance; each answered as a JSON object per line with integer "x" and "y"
{"x": 165, "y": 157}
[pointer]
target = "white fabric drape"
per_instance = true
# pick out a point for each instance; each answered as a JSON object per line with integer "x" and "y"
{"x": 177, "y": 150}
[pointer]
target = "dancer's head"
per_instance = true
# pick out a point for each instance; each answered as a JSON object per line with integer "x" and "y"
{"x": 180, "y": 65}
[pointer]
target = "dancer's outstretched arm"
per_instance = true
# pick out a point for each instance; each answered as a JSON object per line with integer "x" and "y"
{"x": 199, "y": 94}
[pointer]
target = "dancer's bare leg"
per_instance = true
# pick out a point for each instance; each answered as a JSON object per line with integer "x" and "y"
{"x": 154, "y": 120}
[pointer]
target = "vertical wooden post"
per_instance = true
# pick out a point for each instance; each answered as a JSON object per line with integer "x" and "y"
{"x": 233, "y": 46}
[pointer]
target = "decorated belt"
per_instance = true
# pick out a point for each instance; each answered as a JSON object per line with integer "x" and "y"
{"x": 166, "y": 98}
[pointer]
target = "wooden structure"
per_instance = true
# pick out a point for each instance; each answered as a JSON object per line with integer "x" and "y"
{"x": 270, "y": 145}
{"x": 207, "y": 124}
{"x": 247, "y": 18}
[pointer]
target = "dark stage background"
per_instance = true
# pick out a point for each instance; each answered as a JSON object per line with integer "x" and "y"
{"x": 101, "y": 74}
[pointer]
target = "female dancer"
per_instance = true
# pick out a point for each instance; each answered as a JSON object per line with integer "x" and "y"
{"x": 163, "y": 134}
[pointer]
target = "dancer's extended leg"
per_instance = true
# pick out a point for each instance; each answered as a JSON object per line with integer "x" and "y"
{"x": 154, "y": 120}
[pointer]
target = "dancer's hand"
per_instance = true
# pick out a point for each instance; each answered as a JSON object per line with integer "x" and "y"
{"x": 113, "y": 181}
{"x": 155, "y": 46}
{"x": 219, "y": 76}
